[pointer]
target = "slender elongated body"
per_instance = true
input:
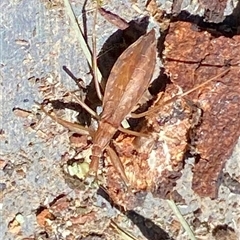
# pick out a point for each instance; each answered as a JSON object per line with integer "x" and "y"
{"x": 128, "y": 80}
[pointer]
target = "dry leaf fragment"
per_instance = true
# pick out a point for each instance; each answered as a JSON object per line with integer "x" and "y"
{"x": 44, "y": 218}
{"x": 114, "y": 19}
{"x": 14, "y": 226}
{"x": 82, "y": 219}
{"x": 21, "y": 112}
{"x": 61, "y": 204}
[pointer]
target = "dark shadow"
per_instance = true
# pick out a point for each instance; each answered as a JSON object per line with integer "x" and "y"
{"x": 84, "y": 20}
{"x": 228, "y": 27}
{"x": 149, "y": 229}
{"x": 222, "y": 232}
{"x": 159, "y": 84}
{"x": 118, "y": 42}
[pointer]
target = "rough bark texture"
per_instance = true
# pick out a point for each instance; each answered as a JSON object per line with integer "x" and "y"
{"x": 192, "y": 57}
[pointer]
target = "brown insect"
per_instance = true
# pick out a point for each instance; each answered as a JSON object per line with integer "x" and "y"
{"x": 128, "y": 80}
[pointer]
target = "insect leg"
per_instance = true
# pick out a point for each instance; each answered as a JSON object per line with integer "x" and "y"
{"x": 153, "y": 110}
{"x": 117, "y": 164}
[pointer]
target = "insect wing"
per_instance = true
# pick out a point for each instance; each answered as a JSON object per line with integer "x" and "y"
{"x": 129, "y": 79}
